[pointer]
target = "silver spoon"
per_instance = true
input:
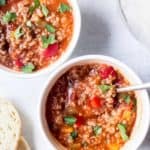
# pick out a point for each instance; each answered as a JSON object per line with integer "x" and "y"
{"x": 133, "y": 88}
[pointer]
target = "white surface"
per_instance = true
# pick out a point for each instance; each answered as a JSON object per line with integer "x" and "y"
{"x": 137, "y": 14}
{"x": 103, "y": 32}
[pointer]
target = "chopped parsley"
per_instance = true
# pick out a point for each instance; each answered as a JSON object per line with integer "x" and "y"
{"x": 105, "y": 88}
{"x": 45, "y": 10}
{"x": 46, "y": 41}
{"x": 8, "y": 17}
{"x": 70, "y": 120}
{"x": 28, "y": 68}
{"x": 74, "y": 135}
{"x": 97, "y": 130}
{"x": 18, "y": 33}
{"x": 126, "y": 98}
{"x": 123, "y": 132}
{"x": 2, "y": 2}
{"x": 35, "y": 6}
{"x": 50, "y": 28}
{"x": 64, "y": 8}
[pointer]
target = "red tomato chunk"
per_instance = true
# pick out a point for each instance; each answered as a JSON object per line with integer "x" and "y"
{"x": 52, "y": 50}
{"x": 107, "y": 71}
{"x": 95, "y": 102}
{"x": 80, "y": 121}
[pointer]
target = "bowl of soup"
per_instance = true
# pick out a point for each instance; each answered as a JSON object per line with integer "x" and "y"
{"x": 80, "y": 108}
{"x": 37, "y": 35}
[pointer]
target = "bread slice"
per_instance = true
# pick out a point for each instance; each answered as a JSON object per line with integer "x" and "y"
{"x": 23, "y": 145}
{"x": 10, "y": 126}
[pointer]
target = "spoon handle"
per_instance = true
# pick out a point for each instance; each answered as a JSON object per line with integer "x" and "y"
{"x": 133, "y": 88}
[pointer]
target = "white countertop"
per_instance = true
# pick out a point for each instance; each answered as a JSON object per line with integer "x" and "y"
{"x": 103, "y": 32}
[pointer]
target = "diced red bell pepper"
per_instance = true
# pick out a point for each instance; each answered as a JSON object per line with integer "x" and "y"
{"x": 51, "y": 50}
{"x": 95, "y": 102}
{"x": 19, "y": 63}
{"x": 80, "y": 121}
{"x": 107, "y": 71}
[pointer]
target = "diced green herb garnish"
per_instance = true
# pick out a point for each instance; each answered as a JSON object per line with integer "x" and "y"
{"x": 8, "y": 17}
{"x": 28, "y": 68}
{"x": 48, "y": 40}
{"x": 36, "y": 5}
{"x": 70, "y": 120}
{"x": 29, "y": 23}
{"x": 64, "y": 8}
{"x": 126, "y": 98}
{"x": 122, "y": 130}
{"x": 74, "y": 135}
{"x": 18, "y": 33}
{"x": 97, "y": 130}
{"x": 45, "y": 10}
{"x": 50, "y": 28}
{"x": 31, "y": 9}
{"x": 2, "y": 2}
{"x": 105, "y": 88}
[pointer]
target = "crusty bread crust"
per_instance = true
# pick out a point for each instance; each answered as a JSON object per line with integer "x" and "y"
{"x": 23, "y": 145}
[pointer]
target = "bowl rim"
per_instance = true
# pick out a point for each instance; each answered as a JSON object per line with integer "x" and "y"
{"x": 129, "y": 28}
{"x": 135, "y": 142}
{"x": 64, "y": 56}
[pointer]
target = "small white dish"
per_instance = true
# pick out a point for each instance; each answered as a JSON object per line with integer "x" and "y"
{"x": 143, "y": 107}
{"x": 63, "y": 57}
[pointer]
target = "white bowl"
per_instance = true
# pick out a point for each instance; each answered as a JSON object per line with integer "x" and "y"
{"x": 137, "y": 31}
{"x": 63, "y": 57}
{"x": 143, "y": 107}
